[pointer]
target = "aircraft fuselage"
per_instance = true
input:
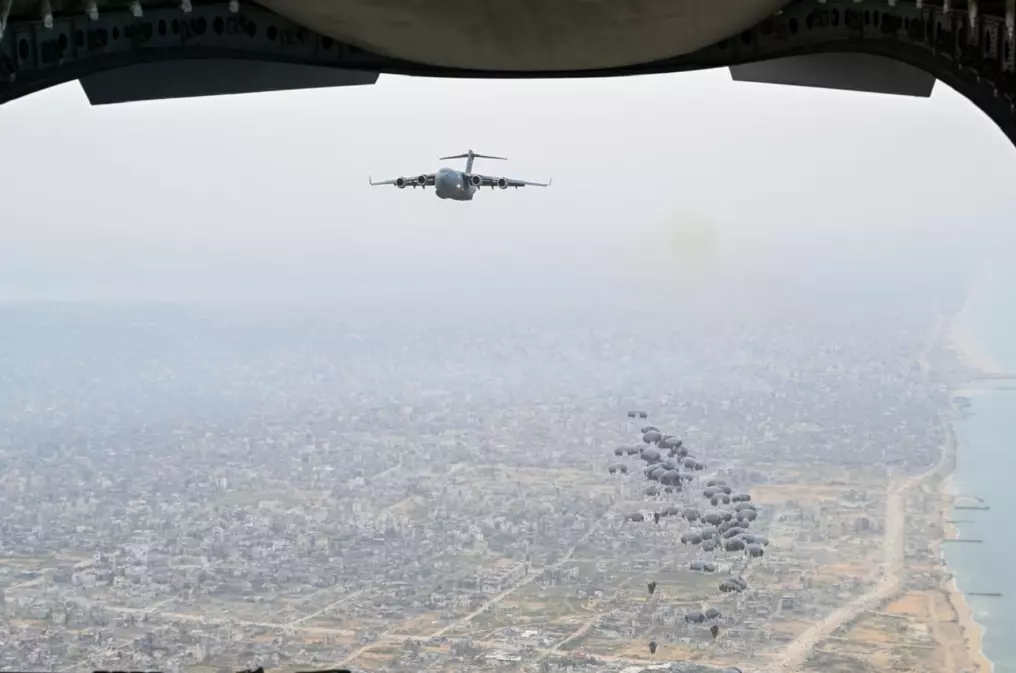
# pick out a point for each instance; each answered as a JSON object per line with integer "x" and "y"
{"x": 452, "y": 184}
{"x": 456, "y": 185}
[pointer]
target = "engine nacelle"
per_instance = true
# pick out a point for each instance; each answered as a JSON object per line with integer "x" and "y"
{"x": 422, "y": 181}
{"x": 502, "y": 183}
{"x": 400, "y": 183}
{"x": 475, "y": 180}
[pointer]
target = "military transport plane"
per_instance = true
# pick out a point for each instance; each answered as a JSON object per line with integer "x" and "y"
{"x": 449, "y": 183}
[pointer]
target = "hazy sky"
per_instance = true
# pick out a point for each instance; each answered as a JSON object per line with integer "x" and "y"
{"x": 660, "y": 177}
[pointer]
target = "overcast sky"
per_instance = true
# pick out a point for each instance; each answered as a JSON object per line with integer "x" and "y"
{"x": 662, "y": 176}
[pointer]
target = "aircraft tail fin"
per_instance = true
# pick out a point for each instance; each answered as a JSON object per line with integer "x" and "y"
{"x": 470, "y": 156}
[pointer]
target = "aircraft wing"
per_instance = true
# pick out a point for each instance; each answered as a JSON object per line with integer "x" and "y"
{"x": 424, "y": 180}
{"x": 505, "y": 183}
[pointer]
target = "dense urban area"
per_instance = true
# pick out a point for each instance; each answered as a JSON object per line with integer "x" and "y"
{"x": 201, "y": 489}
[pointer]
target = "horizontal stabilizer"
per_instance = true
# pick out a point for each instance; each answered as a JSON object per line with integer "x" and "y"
{"x": 473, "y": 155}
{"x": 848, "y": 72}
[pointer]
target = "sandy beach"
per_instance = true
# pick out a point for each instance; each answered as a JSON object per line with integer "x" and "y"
{"x": 963, "y": 342}
{"x": 971, "y": 630}
{"x": 968, "y": 626}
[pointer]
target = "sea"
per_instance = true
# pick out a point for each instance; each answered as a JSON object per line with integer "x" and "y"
{"x": 986, "y": 469}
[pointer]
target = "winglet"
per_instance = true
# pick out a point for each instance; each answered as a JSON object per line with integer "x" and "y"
{"x": 550, "y": 182}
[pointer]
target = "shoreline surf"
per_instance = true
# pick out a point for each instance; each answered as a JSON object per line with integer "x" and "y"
{"x": 962, "y": 341}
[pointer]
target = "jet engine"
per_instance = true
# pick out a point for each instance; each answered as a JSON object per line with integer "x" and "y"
{"x": 475, "y": 180}
{"x": 502, "y": 183}
{"x": 422, "y": 181}
{"x": 400, "y": 183}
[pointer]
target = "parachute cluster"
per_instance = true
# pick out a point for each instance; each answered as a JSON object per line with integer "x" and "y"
{"x": 719, "y": 517}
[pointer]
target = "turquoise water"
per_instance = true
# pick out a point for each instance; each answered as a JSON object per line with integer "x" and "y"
{"x": 986, "y": 468}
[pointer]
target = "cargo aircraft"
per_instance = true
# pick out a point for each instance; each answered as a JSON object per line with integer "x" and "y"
{"x": 449, "y": 183}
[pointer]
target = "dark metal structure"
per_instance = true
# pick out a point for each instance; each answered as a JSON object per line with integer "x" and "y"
{"x": 129, "y": 50}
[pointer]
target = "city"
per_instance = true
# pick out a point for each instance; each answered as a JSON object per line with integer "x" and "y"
{"x": 195, "y": 493}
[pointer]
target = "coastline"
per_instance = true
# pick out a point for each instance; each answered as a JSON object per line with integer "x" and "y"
{"x": 970, "y": 629}
{"x": 964, "y": 344}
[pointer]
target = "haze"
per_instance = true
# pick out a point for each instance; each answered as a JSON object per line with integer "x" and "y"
{"x": 660, "y": 182}
{"x": 383, "y": 439}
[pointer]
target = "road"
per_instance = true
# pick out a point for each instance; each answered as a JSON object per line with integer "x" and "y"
{"x": 333, "y": 604}
{"x": 894, "y": 552}
{"x": 894, "y": 544}
{"x": 299, "y": 624}
{"x": 528, "y": 579}
{"x": 594, "y": 619}
{"x": 525, "y": 581}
